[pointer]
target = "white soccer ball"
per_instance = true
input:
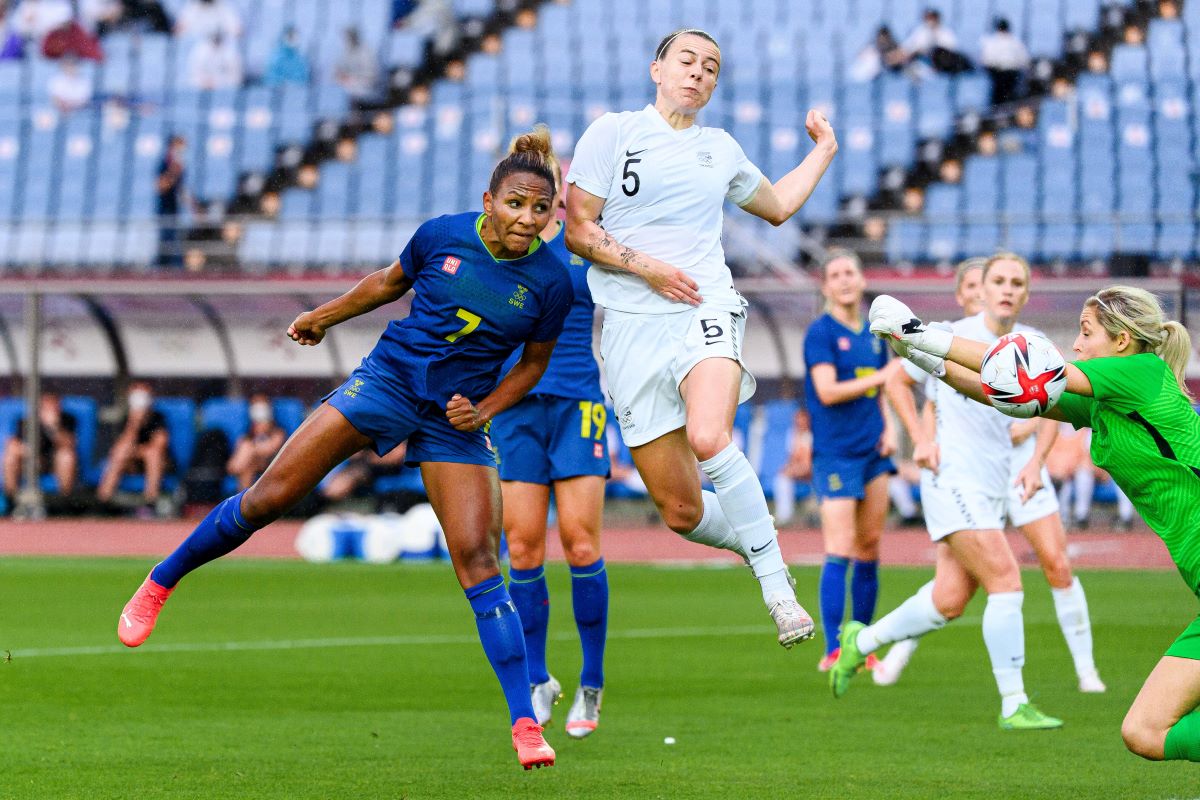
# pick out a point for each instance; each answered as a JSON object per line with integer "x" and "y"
{"x": 1023, "y": 375}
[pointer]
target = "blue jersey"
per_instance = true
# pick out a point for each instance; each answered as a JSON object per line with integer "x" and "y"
{"x": 852, "y": 428}
{"x": 572, "y": 372}
{"x": 470, "y": 310}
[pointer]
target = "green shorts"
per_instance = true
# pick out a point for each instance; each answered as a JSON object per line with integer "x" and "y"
{"x": 1188, "y": 643}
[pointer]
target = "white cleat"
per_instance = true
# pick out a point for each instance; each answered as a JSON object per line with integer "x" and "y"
{"x": 793, "y": 622}
{"x": 545, "y": 697}
{"x": 584, "y": 715}
{"x": 888, "y": 669}
{"x": 1090, "y": 683}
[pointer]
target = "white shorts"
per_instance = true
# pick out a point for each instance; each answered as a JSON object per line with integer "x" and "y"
{"x": 647, "y": 356}
{"x": 1043, "y": 503}
{"x": 953, "y": 507}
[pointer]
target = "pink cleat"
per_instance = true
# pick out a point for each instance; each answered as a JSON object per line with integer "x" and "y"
{"x": 532, "y": 750}
{"x": 141, "y": 612}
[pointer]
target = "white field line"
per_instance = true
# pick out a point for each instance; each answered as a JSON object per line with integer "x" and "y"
{"x": 369, "y": 641}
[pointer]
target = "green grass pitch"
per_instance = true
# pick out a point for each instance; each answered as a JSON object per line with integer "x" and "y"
{"x": 284, "y": 680}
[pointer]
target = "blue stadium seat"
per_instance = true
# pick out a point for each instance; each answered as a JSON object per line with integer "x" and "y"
{"x": 905, "y": 240}
{"x": 1128, "y": 63}
{"x": 230, "y": 415}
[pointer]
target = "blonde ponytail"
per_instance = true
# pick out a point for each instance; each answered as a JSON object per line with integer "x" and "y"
{"x": 1176, "y": 350}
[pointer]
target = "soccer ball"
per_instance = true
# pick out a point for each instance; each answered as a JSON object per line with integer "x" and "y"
{"x": 1023, "y": 375}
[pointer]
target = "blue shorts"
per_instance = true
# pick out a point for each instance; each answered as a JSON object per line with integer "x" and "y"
{"x": 848, "y": 476}
{"x": 544, "y": 439}
{"x": 388, "y": 413}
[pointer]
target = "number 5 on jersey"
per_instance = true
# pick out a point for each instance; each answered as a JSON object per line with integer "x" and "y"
{"x": 473, "y": 321}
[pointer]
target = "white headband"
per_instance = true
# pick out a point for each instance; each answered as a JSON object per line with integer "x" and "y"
{"x": 666, "y": 45}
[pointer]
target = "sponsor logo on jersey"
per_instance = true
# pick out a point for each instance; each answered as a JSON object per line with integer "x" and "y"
{"x": 518, "y": 297}
{"x": 451, "y": 264}
{"x": 704, "y": 158}
{"x": 843, "y": 343}
{"x": 835, "y": 482}
{"x": 576, "y": 261}
{"x": 352, "y": 391}
{"x": 598, "y": 450}
{"x": 626, "y": 419}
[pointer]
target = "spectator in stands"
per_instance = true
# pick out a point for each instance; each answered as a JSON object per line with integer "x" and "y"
{"x": 1168, "y": 9}
{"x": 286, "y": 63}
{"x": 356, "y": 474}
{"x": 215, "y": 63}
{"x": 933, "y": 42}
{"x": 1021, "y": 136}
{"x": 35, "y": 19}
{"x": 172, "y": 193}
{"x": 434, "y": 19}
{"x": 141, "y": 445}
{"x": 203, "y": 18}
{"x": 69, "y": 88}
{"x": 255, "y": 450}
{"x": 56, "y": 453}
{"x": 110, "y": 15}
{"x": 357, "y": 70}
{"x": 883, "y": 53}
{"x": 1006, "y": 59}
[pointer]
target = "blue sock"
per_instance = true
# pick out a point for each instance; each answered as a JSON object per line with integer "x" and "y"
{"x": 221, "y": 532}
{"x": 864, "y": 588}
{"x": 589, "y": 591}
{"x": 500, "y": 634}
{"x": 833, "y": 599}
{"x": 529, "y": 594}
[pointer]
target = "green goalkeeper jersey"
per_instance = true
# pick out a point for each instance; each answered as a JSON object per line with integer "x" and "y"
{"x": 1147, "y": 436}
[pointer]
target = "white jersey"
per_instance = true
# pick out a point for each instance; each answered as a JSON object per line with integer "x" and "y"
{"x": 974, "y": 445}
{"x": 664, "y": 191}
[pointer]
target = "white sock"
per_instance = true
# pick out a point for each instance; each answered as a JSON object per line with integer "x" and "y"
{"x": 1124, "y": 506}
{"x": 901, "y": 494}
{"x": 785, "y": 498}
{"x": 745, "y": 507}
{"x": 1084, "y": 481}
{"x": 1004, "y": 635}
{"x": 714, "y": 529}
{"x": 914, "y": 617}
{"x": 1071, "y": 606}
{"x": 898, "y": 656}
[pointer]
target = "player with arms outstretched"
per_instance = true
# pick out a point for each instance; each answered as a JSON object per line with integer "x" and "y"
{"x": 673, "y": 323}
{"x": 483, "y": 283}
{"x": 555, "y": 438}
{"x": 1128, "y": 387}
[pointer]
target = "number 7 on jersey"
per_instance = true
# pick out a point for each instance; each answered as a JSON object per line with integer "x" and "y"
{"x": 473, "y": 321}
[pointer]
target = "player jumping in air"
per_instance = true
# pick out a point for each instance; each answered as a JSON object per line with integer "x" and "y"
{"x": 673, "y": 323}
{"x": 483, "y": 284}
{"x": 555, "y": 437}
